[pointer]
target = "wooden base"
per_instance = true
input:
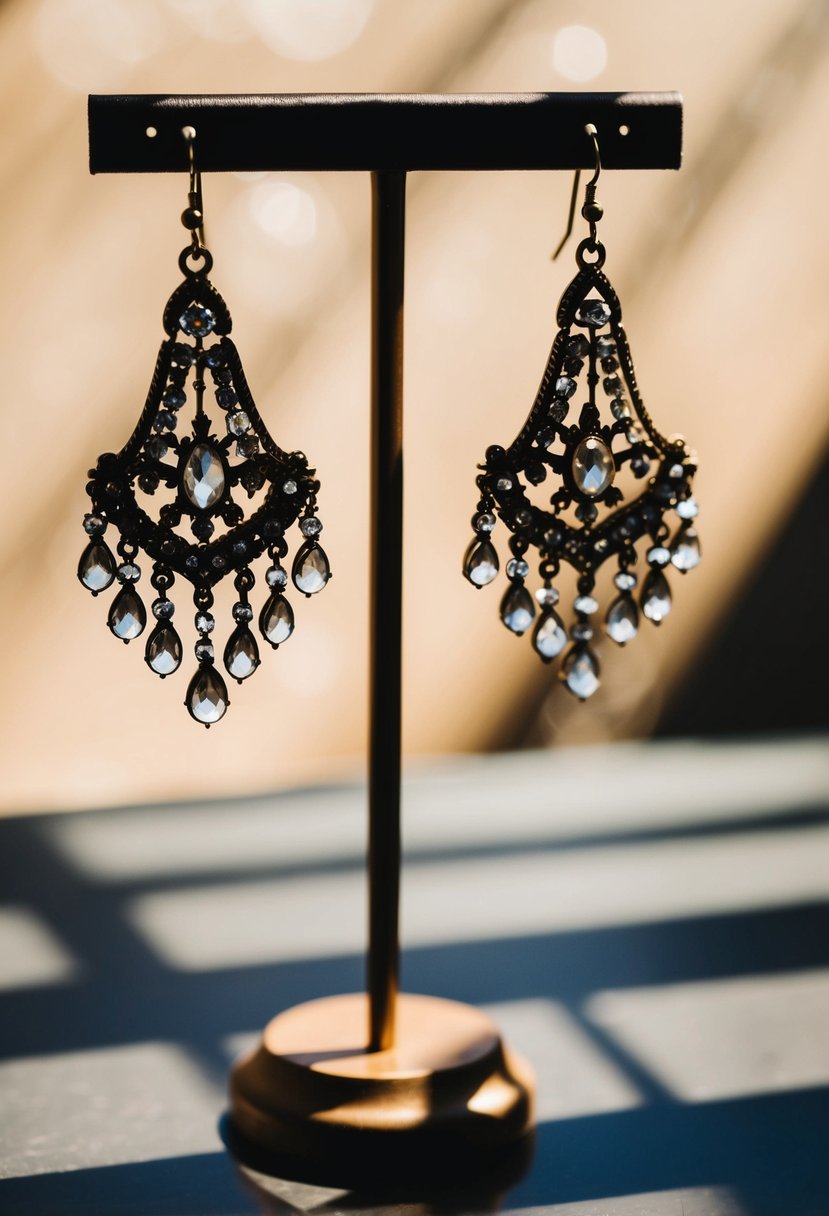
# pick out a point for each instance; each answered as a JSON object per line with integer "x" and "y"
{"x": 448, "y": 1096}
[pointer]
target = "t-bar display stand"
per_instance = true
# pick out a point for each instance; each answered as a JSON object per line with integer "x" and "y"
{"x": 379, "y": 1084}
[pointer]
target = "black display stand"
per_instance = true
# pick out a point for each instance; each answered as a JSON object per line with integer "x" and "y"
{"x": 383, "y": 1082}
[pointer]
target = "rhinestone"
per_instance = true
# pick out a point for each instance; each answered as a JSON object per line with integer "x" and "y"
{"x": 573, "y": 366}
{"x": 207, "y": 696}
{"x": 547, "y": 596}
{"x": 609, "y": 364}
{"x": 183, "y": 355}
{"x": 96, "y": 568}
{"x": 517, "y": 609}
{"x": 593, "y": 466}
{"x": 557, "y": 412}
{"x": 620, "y": 409}
{"x": 289, "y": 487}
{"x": 687, "y": 509}
{"x": 218, "y": 562}
{"x": 484, "y": 522}
{"x": 163, "y": 609}
{"x": 622, "y": 620}
{"x": 164, "y": 420}
{"x": 685, "y": 550}
{"x": 205, "y": 622}
{"x": 580, "y": 672}
{"x": 156, "y": 448}
{"x": 226, "y": 398}
{"x": 204, "y": 651}
{"x": 310, "y": 526}
{"x": 549, "y": 636}
{"x": 276, "y": 576}
{"x": 197, "y": 320}
{"x": 174, "y": 399}
{"x": 656, "y": 597}
{"x": 612, "y": 385}
{"x": 93, "y": 525}
{"x": 517, "y": 568}
{"x": 676, "y": 471}
{"x": 582, "y": 632}
{"x": 239, "y": 548}
{"x": 586, "y": 604}
{"x": 546, "y": 437}
{"x": 191, "y": 561}
{"x": 503, "y": 484}
{"x": 594, "y": 313}
{"x": 605, "y": 348}
{"x": 241, "y": 656}
{"x": 204, "y": 476}
{"x": 247, "y": 447}
{"x": 277, "y": 620}
{"x": 640, "y": 466}
{"x": 221, "y": 375}
{"x": 242, "y": 612}
{"x": 128, "y": 572}
{"x": 163, "y": 652}
{"x": 238, "y": 423}
{"x": 625, "y": 581}
{"x": 565, "y": 387}
{"x": 658, "y": 555}
{"x": 577, "y": 345}
{"x": 127, "y": 615}
{"x": 310, "y": 571}
{"x": 214, "y": 355}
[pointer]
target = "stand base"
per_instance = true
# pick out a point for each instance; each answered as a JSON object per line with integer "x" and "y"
{"x": 448, "y": 1095}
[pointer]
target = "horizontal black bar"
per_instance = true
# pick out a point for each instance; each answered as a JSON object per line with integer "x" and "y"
{"x": 385, "y": 132}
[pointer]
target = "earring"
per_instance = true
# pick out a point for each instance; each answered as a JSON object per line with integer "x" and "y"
{"x": 590, "y": 519}
{"x": 196, "y": 473}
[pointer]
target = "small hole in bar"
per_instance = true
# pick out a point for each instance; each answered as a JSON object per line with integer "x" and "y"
{"x": 624, "y": 129}
{"x": 151, "y": 132}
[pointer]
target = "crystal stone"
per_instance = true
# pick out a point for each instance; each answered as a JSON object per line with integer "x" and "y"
{"x": 128, "y": 572}
{"x": 276, "y": 576}
{"x": 517, "y": 568}
{"x": 207, "y": 696}
{"x": 605, "y": 348}
{"x": 127, "y": 615}
{"x": 624, "y": 580}
{"x": 658, "y": 555}
{"x": 480, "y": 564}
{"x": 565, "y": 387}
{"x": 94, "y": 524}
{"x": 204, "y": 651}
{"x": 242, "y": 612}
{"x": 310, "y": 571}
{"x": 517, "y": 608}
{"x": 547, "y": 596}
{"x": 593, "y": 467}
{"x": 580, "y": 672}
{"x": 197, "y": 321}
{"x": 277, "y": 620}
{"x": 289, "y": 486}
{"x": 310, "y": 526}
{"x": 620, "y": 409}
{"x": 205, "y": 622}
{"x": 586, "y": 604}
{"x": 656, "y": 597}
{"x": 163, "y": 609}
{"x": 226, "y": 398}
{"x": 204, "y": 476}
{"x": 238, "y": 423}
{"x": 582, "y": 632}
{"x": 503, "y": 484}
{"x": 612, "y": 385}
{"x": 241, "y": 654}
{"x": 163, "y": 653}
{"x": 549, "y": 637}
{"x": 622, "y": 620}
{"x": 174, "y": 398}
{"x": 685, "y": 550}
{"x": 484, "y": 522}
{"x": 687, "y": 509}
{"x": 96, "y": 569}
{"x": 577, "y": 345}
{"x": 594, "y": 313}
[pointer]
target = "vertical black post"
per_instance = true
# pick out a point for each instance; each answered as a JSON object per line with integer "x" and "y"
{"x": 388, "y": 248}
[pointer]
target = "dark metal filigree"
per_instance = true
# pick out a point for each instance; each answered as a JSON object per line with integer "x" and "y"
{"x": 200, "y": 473}
{"x": 589, "y": 429}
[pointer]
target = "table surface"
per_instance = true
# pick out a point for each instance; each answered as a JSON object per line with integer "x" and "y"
{"x": 648, "y": 923}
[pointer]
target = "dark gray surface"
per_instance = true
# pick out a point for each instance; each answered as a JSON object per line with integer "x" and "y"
{"x": 648, "y": 924}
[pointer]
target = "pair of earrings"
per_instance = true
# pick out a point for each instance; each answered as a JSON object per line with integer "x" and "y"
{"x": 200, "y": 470}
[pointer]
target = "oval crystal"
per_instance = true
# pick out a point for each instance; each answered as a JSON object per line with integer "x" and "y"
{"x": 96, "y": 569}
{"x": 207, "y": 698}
{"x": 656, "y": 597}
{"x": 550, "y": 637}
{"x": 241, "y": 654}
{"x": 204, "y": 476}
{"x": 517, "y": 608}
{"x": 127, "y": 615}
{"x": 593, "y": 466}
{"x": 310, "y": 570}
{"x": 277, "y": 620}
{"x": 580, "y": 672}
{"x": 163, "y": 651}
{"x": 685, "y": 550}
{"x": 480, "y": 563}
{"x": 622, "y": 620}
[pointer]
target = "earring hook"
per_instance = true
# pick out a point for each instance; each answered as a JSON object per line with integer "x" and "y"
{"x": 591, "y": 210}
{"x": 193, "y": 216}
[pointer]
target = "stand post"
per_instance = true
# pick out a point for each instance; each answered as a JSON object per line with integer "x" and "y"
{"x": 387, "y": 268}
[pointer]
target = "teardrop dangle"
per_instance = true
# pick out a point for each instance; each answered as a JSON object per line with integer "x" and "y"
{"x": 622, "y": 620}
{"x": 177, "y": 491}
{"x": 656, "y": 596}
{"x": 549, "y": 636}
{"x": 580, "y": 671}
{"x": 517, "y": 608}
{"x": 685, "y": 549}
{"x": 480, "y": 563}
